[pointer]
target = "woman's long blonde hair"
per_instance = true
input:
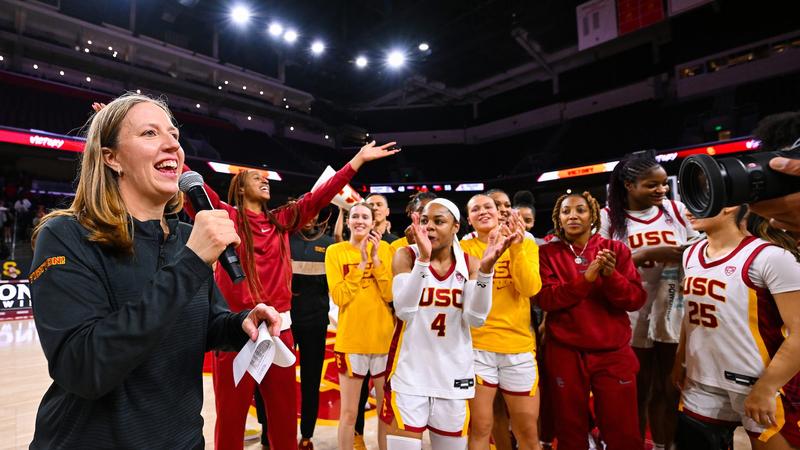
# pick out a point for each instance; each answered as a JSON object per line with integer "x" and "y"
{"x": 98, "y": 205}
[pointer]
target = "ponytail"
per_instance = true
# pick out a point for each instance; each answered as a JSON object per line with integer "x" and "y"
{"x": 760, "y": 227}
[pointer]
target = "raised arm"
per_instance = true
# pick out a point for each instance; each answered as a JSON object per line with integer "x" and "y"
{"x": 343, "y": 286}
{"x": 411, "y": 273}
{"x": 311, "y": 203}
{"x": 478, "y": 290}
{"x": 524, "y": 255}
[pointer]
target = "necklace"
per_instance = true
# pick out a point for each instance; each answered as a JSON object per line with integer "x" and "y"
{"x": 579, "y": 259}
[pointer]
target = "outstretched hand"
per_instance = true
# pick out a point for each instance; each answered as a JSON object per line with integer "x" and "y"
{"x": 371, "y": 152}
{"x": 497, "y": 244}
{"x": 421, "y": 238}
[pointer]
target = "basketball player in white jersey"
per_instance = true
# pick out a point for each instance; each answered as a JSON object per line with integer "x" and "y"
{"x": 740, "y": 341}
{"x": 656, "y": 230}
{"x": 439, "y": 293}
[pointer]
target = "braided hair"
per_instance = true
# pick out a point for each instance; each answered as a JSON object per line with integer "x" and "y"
{"x": 236, "y": 199}
{"x": 629, "y": 170}
{"x": 594, "y": 209}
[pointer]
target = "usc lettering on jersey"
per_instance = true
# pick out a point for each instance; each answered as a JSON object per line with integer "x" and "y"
{"x": 733, "y": 327}
{"x": 516, "y": 279}
{"x": 431, "y": 354}
{"x": 365, "y": 319}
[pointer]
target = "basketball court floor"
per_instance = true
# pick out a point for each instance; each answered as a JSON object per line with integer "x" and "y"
{"x": 24, "y": 379}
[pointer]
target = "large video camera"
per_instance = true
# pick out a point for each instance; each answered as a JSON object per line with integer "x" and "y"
{"x": 707, "y": 185}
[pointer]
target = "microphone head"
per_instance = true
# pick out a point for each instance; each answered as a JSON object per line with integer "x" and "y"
{"x": 189, "y": 180}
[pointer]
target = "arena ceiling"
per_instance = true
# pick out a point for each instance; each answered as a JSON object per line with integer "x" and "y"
{"x": 480, "y": 49}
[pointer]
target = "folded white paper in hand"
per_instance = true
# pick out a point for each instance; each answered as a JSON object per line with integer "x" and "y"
{"x": 256, "y": 357}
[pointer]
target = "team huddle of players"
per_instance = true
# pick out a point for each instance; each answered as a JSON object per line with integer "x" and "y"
{"x": 643, "y": 313}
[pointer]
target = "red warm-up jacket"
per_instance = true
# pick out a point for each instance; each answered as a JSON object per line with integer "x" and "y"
{"x": 583, "y": 315}
{"x": 273, "y": 260}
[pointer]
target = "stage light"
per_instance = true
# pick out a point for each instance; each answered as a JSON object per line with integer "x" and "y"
{"x": 61, "y": 72}
{"x": 284, "y": 99}
{"x": 1, "y": 58}
{"x": 249, "y": 118}
{"x": 361, "y": 62}
{"x": 569, "y": 191}
{"x": 290, "y": 36}
{"x": 240, "y": 14}
{"x": 226, "y": 81}
{"x": 138, "y": 91}
{"x": 88, "y": 79}
{"x": 317, "y": 47}
{"x": 110, "y": 48}
{"x": 89, "y": 42}
{"x": 197, "y": 105}
{"x": 114, "y": 55}
{"x": 424, "y": 47}
{"x": 260, "y": 92}
{"x": 327, "y": 137}
{"x": 219, "y": 87}
{"x": 86, "y": 50}
{"x": 287, "y": 106}
{"x": 275, "y": 29}
{"x": 395, "y": 59}
{"x": 35, "y": 67}
{"x": 244, "y": 88}
{"x": 367, "y": 134}
{"x": 291, "y": 128}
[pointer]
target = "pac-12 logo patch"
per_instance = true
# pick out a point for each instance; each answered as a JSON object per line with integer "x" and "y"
{"x": 730, "y": 270}
{"x": 459, "y": 277}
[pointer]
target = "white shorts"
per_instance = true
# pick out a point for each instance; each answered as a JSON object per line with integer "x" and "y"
{"x": 358, "y": 364}
{"x": 714, "y": 404}
{"x": 417, "y": 413}
{"x": 513, "y": 373}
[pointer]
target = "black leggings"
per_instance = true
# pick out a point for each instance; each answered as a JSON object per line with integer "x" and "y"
{"x": 311, "y": 343}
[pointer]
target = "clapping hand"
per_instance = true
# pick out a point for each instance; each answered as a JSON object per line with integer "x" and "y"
{"x": 607, "y": 260}
{"x": 420, "y": 235}
{"x": 498, "y": 243}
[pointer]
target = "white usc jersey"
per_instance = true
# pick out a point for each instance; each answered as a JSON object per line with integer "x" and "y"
{"x": 733, "y": 327}
{"x": 656, "y": 227}
{"x": 431, "y": 354}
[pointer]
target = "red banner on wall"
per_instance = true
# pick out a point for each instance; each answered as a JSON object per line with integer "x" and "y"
{"x": 44, "y": 140}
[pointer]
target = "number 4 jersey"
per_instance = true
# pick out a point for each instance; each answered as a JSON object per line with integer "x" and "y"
{"x": 431, "y": 354}
{"x": 733, "y": 327}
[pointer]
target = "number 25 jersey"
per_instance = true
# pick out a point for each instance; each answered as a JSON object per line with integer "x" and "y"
{"x": 733, "y": 327}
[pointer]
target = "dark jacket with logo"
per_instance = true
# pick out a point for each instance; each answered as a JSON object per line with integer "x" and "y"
{"x": 310, "y": 303}
{"x": 124, "y": 338}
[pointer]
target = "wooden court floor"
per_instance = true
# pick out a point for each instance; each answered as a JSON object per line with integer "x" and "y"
{"x": 24, "y": 379}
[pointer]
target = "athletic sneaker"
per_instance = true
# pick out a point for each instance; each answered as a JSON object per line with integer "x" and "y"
{"x": 305, "y": 444}
{"x": 358, "y": 442}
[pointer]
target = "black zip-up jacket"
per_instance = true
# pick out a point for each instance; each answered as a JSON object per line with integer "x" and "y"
{"x": 124, "y": 338}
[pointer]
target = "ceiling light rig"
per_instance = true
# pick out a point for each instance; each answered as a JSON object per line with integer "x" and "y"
{"x": 240, "y": 14}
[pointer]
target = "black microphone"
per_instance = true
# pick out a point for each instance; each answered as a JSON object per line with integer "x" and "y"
{"x": 191, "y": 184}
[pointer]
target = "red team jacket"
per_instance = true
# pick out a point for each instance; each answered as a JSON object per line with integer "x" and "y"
{"x": 583, "y": 315}
{"x": 273, "y": 260}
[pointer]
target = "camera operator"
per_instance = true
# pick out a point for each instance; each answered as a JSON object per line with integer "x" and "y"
{"x": 781, "y": 131}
